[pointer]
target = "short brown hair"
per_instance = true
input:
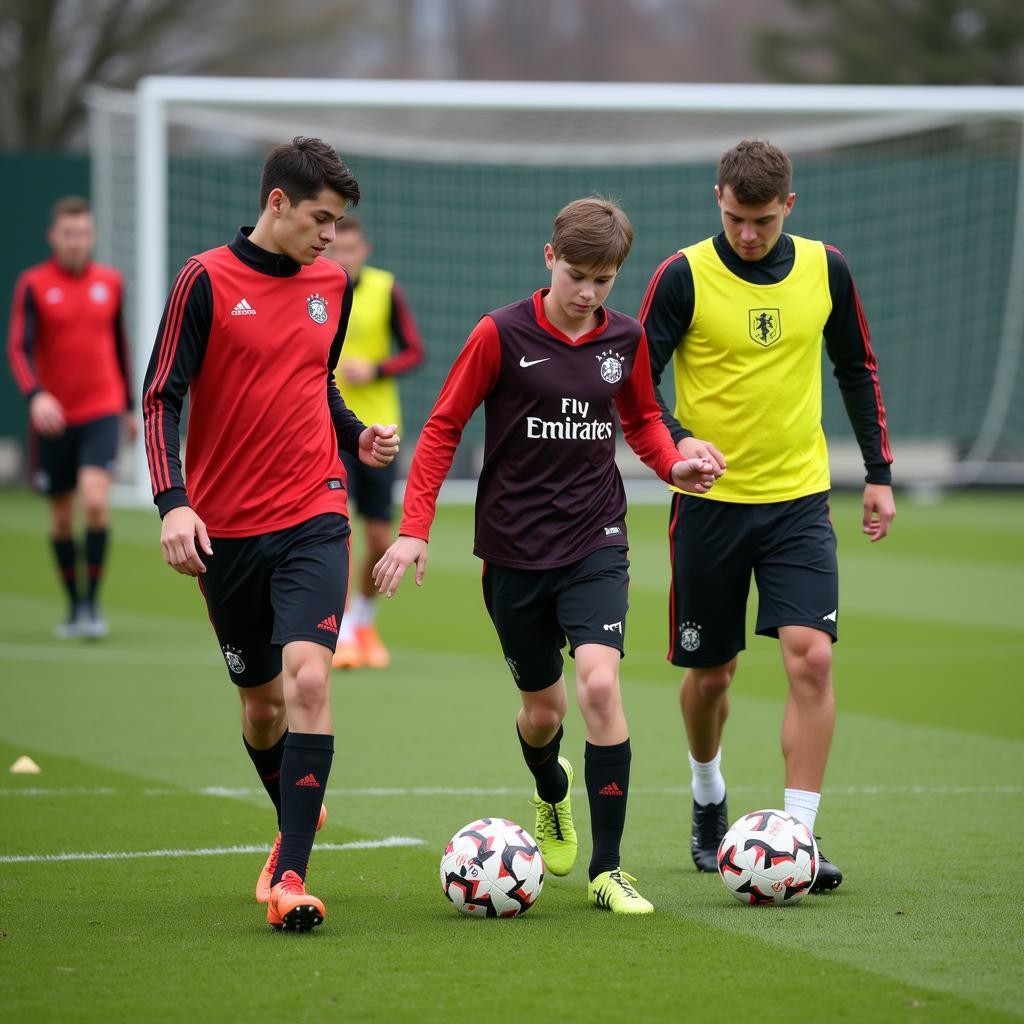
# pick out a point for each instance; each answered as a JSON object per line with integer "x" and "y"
{"x": 592, "y": 233}
{"x": 756, "y": 171}
{"x": 69, "y": 206}
{"x": 303, "y": 168}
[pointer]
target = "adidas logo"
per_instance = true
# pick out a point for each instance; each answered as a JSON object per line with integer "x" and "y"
{"x": 330, "y": 624}
{"x": 831, "y": 617}
{"x": 309, "y": 780}
{"x": 243, "y": 309}
{"x": 612, "y": 789}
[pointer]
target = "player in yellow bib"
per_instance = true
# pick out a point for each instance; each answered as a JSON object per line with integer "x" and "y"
{"x": 742, "y": 316}
{"x": 382, "y": 343}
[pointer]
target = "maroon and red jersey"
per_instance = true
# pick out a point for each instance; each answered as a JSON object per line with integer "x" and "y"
{"x": 254, "y": 338}
{"x": 549, "y": 492}
{"x": 67, "y": 337}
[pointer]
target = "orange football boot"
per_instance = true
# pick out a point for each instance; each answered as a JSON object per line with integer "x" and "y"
{"x": 375, "y": 654}
{"x": 291, "y": 908}
{"x": 348, "y": 654}
{"x": 267, "y": 874}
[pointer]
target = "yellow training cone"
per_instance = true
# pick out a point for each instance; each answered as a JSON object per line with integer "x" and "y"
{"x": 25, "y": 766}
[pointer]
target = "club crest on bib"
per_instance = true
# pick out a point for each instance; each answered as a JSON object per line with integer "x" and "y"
{"x": 611, "y": 366}
{"x": 765, "y": 326}
{"x": 317, "y": 306}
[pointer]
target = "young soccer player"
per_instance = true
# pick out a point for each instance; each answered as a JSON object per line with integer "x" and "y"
{"x": 743, "y": 314}
{"x": 551, "y": 371}
{"x": 368, "y": 381}
{"x": 253, "y": 330}
{"x": 69, "y": 356}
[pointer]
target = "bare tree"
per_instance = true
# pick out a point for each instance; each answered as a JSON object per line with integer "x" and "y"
{"x": 51, "y": 49}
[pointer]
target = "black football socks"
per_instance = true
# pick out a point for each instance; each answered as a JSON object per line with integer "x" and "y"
{"x": 64, "y": 552}
{"x": 552, "y": 782}
{"x": 95, "y": 551}
{"x": 305, "y": 766}
{"x": 607, "y": 775}
{"x": 268, "y": 767}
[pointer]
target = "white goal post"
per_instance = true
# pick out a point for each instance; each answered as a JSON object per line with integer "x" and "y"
{"x": 622, "y": 126}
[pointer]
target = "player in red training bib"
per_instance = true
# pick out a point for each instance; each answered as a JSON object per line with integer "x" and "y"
{"x": 69, "y": 356}
{"x": 252, "y": 331}
{"x": 552, "y": 370}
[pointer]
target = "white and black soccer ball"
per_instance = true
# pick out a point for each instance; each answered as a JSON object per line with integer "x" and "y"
{"x": 492, "y": 868}
{"x": 768, "y": 857}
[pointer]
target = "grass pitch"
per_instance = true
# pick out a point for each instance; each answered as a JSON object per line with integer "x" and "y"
{"x": 145, "y": 785}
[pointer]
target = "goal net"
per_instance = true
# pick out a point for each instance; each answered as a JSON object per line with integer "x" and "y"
{"x": 921, "y": 188}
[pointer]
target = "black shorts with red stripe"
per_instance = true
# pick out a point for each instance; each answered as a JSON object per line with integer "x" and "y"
{"x": 266, "y": 591}
{"x": 788, "y": 546}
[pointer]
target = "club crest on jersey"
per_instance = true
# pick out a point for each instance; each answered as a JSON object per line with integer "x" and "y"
{"x": 611, "y": 366}
{"x": 765, "y": 326}
{"x": 99, "y": 293}
{"x": 317, "y": 306}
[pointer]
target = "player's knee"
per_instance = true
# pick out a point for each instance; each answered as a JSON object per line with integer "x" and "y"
{"x": 544, "y": 718}
{"x": 308, "y": 688}
{"x": 263, "y": 713}
{"x": 600, "y": 690}
{"x": 712, "y": 682}
{"x": 818, "y": 662}
{"x": 95, "y": 513}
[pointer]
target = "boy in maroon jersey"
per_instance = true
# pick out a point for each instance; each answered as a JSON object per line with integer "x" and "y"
{"x": 69, "y": 356}
{"x": 550, "y": 517}
{"x": 253, "y": 331}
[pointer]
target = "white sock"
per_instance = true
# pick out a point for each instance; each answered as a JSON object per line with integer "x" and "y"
{"x": 347, "y": 630}
{"x": 803, "y": 805}
{"x": 361, "y": 610}
{"x": 708, "y": 784}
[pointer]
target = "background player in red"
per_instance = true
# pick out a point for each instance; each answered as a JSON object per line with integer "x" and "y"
{"x": 382, "y": 343}
{"x": 69, "y": 356}
{"x": 252, "y": 331}
{"x": 742, "y": 315}
{"x": 552, "y": 370}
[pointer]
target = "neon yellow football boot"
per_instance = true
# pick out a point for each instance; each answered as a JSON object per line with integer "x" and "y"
{"x": 613, "y": 890}
{"x": 554, "y": 830}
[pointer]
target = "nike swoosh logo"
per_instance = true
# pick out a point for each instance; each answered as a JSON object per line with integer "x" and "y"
{"x": 524, "y": 362}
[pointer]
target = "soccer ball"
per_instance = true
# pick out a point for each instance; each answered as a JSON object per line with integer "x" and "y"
{"x": 492, "y": 868}
{"x": 768, "y": 857}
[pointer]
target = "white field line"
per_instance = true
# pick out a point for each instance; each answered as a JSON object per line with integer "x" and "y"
{"x": 210, "y": 851}
{"x": 421, "y": 791}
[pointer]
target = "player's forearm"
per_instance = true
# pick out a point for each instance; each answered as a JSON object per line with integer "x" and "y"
{"x": 347, "y": 425}
{"x": 866, "y": 413}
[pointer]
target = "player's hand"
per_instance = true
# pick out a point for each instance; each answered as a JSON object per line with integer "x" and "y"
{"x": 405, "y": 551}
{"x": 357, "y": 371}
{"x": 130, "y": 425}
{"x": 879, "y": 511}
{"x": 46, "y": 415}
{"x": 178, "y": 535}
{"x": 378, "y": 445}
{"x": 694, "y": 475}
{"x": 694, "y": 448}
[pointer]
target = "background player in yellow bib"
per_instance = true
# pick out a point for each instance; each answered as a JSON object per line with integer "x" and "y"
{"x": 742, "y": 315}
{"x": 382, "y": 343}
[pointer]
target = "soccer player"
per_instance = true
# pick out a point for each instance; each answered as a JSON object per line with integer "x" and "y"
{"x": 252, "y": 331}
{"x": 552, "y": 370}
{"x": 69, "y": 356}
{"x": 367, "y": 379}
{"x": 743, "y": 315}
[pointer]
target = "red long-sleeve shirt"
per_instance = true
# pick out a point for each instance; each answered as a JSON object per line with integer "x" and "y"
{"x": 549, "y": 491}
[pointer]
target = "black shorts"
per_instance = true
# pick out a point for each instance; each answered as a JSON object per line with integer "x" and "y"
{"x": 58, "y": 459}
{"x": 263, "y": 592}
{"x": 370, "y": 488}
{"x": 536, "y": 610}
{"x": 790, "y": 548}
